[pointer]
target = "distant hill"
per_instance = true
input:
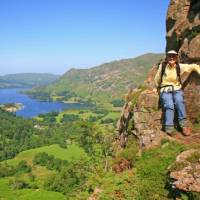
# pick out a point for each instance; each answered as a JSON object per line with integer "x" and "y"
{"x": 27, "y": 79}
{"x": 106, "y": 81}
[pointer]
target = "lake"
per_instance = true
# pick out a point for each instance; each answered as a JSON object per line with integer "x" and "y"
{"x": 33, "y": 107}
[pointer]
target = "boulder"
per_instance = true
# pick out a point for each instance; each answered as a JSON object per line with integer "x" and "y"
{"x": 185, "y": 171}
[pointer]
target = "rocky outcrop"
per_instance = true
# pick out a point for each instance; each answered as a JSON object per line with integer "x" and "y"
{"x": 141, "y": 116}
{"x": 183, "y": 28}
{"x": 123, "y": 123}
{"x": 185, "y": 172}
{"x": 147, "y": 119}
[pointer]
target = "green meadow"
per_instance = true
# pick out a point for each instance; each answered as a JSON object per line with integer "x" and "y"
{"x": 71, "y": 152}
{"x": 7, "y": 193}
{"x": 85, "y": 114}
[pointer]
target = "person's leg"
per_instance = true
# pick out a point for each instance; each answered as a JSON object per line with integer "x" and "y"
{"x": 168, "y": 107}
{"x": 181, "y": 112}
{"x": 180, "y": 107}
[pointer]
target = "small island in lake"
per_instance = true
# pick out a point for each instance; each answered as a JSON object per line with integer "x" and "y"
{"x": 12, "y": 107}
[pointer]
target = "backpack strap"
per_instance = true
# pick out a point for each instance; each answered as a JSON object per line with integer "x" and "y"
{"x": 163, "y": 67}
{"x": 178, "y": 72}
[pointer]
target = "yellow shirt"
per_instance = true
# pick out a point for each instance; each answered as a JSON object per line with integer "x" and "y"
{"x": 170, "y": 75}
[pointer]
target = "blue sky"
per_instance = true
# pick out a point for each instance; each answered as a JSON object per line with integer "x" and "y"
{"x": 55, "y": 35}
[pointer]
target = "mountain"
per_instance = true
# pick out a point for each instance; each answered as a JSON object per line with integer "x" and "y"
{"x": 103, "y": 82}
{"x": 26, "y": 79}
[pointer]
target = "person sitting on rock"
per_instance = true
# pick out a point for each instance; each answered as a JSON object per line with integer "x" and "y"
{"x": 168, "y": 81}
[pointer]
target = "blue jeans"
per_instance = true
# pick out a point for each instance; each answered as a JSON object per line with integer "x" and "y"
{"x": 172, "y": 101}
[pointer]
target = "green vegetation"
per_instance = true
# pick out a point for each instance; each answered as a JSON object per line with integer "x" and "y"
{"x": 71, "y": 178}
{"x": 118, "y": 102}
{"x": 16, "y": 135}
{"x": 130, "y": 153}
{"x": 70, "y": 117}
{"x": 152, "y": 170}
{"x": 84, "y": 164}
{"x": 69, "y": 153}
{"x": 148, "y": 179}
{"x": 35, "y": 180}
{"x": 9, "y": 170}
{"x": 48, "y": 118}
{"x": 87, "y": 145}
{"x": 49, "y": 161}
{"x": 8, "y": 193}
{"x": 194, "y": 196}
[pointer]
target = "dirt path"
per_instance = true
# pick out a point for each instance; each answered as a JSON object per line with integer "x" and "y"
{"x": 188, "y": 140}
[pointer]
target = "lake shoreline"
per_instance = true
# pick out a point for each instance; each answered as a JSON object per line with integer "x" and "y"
{"x": 29, "y": 107}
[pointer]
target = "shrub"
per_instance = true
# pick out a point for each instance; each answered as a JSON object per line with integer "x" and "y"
{"x": 101, "y": 111}
{"x": 49, "y": 161}
{"x": 23, "y": 167}
{"x": 41, "y": 158}
{"x": 70, "y": 117}
{"x": 130, "y": 153}
{"x": 93, "y": 118}
{"x": 71, "y": 177}
{"x": 107, "y": 121}
{"x": 6, "y": 170}
{"x": 194, "y": 196}
{"x": 18, "y": 184}
{"x": 118, "y": 102}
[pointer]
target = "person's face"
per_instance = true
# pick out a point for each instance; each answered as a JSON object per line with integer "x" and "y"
{"x": 172, "y": 59}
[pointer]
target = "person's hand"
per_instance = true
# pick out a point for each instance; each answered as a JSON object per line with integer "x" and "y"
{"x": 155, "y": 90}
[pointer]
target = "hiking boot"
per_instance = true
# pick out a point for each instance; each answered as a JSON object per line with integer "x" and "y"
{"x": 171, "y": 132}
{"x": 186, "y": 131}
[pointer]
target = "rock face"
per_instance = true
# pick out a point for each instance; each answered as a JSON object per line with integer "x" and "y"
{"x": 143, "y": 115}
{"x": 185, "y": 172}
{"x": 183, "y": 35}
{"x": 147, "y": 119}
{"x": 183, "y": 28}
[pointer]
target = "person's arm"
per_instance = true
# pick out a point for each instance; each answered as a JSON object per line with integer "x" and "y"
{"x": 157, "y": 78}
{"x": 190, "y": 68}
